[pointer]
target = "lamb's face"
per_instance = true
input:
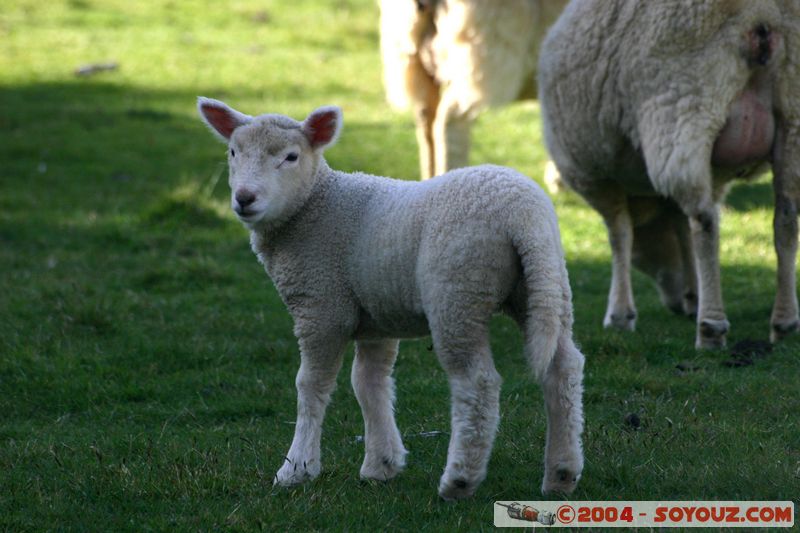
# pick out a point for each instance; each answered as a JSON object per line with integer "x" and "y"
{"x": 273, "y": 159}
{"x": 272, "y": 168}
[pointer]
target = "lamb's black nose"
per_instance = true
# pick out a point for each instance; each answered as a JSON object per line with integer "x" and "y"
{"x": 245, "y": 197}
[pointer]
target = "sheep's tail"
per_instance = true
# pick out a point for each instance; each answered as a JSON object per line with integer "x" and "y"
{"x": 547, "y": 316}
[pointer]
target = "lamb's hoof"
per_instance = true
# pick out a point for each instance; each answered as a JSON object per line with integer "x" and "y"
{"x": 781, "y": 330}
{"x": 711, "y": 334}
{"x": 625, "y": 320}
{"x": 383, "y": 468}
{"x": 456, "y": 489}
{"x": 561, "y": 479}
{"x": 296, "y": 472}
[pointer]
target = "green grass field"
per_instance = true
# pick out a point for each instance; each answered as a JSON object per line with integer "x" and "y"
{"x": 147, "y": 364}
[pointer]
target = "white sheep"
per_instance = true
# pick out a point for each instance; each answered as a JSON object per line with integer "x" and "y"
{"x": 371, "y": 259}
{"x": 449, "y": 60}
{"x": 650, "y": 109}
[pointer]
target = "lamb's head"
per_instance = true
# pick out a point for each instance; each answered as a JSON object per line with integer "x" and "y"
{"x": 273, "y": 160}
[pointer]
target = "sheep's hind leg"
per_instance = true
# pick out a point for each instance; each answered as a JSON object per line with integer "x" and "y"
{"x": 784, "y": 320}
{"x": 689, "y": 267}
{"x": 372, "y": 382}
{"x": 563, "y": 392}
{"x": 786, "y": 185}
{"x": 475, "y": 397}
{"x": 451, "y": 135}
{"x": 612, "y": 204}
{"x": 712, "y": 324}
{"x": 316, "y": 379}
{"x": 426, "y": 100}
{"x": 552, "y": 179}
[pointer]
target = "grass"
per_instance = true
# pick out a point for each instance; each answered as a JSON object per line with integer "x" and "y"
{"x": 147, "y": 364}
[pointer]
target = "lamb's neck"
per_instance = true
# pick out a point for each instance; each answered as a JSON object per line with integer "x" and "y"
{"x": 268, "y": 233}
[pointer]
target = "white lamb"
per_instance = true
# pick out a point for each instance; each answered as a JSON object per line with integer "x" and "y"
{"x": 373, "y": 259}
{"x": 650, "y": 109}
{"x": 450, "y": 59}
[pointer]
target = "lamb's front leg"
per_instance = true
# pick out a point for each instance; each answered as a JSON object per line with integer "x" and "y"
{"x": 320, "y": 361}
{"x": 712, "y": 324}
{"x": 372, "y": 382}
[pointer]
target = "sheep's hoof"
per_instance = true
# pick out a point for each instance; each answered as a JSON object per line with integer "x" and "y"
{"x": 383, "y": 468}
{"x": 781, "y": 330}
{"x": 676, "y": 306}
{"x": 456, "y": 489}
{"x": 296, "y": 472}
{"x": 561, "y": 479}
{"x": 623, "y": 320}
{"x": 690, "y": 305}
{"x": 711, "y": 334}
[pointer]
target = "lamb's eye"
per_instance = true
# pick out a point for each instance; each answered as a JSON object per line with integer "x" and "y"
{"x": 292, "y": 157}
{"x": 233, "y": 153}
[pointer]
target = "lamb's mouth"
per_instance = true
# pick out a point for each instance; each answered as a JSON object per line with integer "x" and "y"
{"x": 249, "y": 216}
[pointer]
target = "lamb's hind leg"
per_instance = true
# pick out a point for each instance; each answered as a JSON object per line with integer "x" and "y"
{"x": 475, "y": 395}
{"x": 372, "y": 382}
{"x": 563, "y": 392}
{"x": 320, "y": 361}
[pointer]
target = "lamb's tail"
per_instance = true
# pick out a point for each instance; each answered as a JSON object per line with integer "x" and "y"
{"x": 548, "y": 306}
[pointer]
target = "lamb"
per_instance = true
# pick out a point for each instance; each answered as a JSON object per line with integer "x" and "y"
{"x": 650, "y": 109}
{"x": 371, "y": 259}
{"x": 448, "y": 60}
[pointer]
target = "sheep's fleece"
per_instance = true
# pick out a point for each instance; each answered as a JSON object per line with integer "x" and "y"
{"x": 373, "y": 259}
{"x": 650, "y": 109}
{"x": 450, "y": 59}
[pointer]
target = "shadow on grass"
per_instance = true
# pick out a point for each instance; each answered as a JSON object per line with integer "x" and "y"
{"x": 94, "y": 145}
{"x": 748, "y": 196}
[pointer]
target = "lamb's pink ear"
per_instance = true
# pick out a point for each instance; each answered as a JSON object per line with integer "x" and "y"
{"x": 221, "y": 118}
{"x": 322, "y": 126}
